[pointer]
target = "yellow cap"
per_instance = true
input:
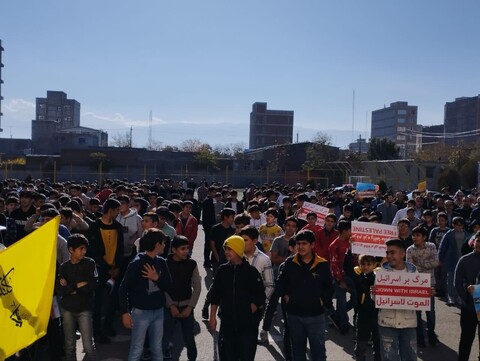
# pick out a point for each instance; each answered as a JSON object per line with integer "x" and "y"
{"x": 236, "y": 244}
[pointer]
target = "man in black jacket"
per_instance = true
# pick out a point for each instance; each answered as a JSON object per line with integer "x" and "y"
{"x": 143, "y": 291}
{"x": 305, "y": 284}
{"x": 239, "y": 292}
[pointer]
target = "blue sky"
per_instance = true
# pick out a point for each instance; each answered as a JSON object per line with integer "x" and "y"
{"x": 199, "y": 65}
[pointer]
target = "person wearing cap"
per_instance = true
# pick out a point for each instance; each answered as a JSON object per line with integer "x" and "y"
{"x": 305, "y": 285}
{"x": 238, "y": 290}
{"x": 397, "y": 328}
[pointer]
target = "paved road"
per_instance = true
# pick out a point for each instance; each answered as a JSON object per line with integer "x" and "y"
{"x": 339, "y": 348}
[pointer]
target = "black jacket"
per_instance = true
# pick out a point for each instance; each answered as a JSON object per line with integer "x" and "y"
{"x": 138, "y": 291}
{"x": 234, "y": 289}
{"x": 363, "y": 282}
{"x": 308, "y": 285}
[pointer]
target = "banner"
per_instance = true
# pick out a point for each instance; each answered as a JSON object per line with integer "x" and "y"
{"x": 366, "y": 190}
{"x": 369, "y": 238}
{"x": 402, "y": 290}
{"x": 27, "y": 277}
{"x": 422, "y": 186}
{"x": 308, "y": 207}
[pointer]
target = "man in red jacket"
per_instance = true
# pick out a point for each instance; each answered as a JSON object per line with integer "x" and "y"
{"x": 187, "y": 225}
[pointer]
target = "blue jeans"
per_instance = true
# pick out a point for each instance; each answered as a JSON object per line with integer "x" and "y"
{"x": 398, "y": 344}
{"x": 187, "y": 331}
{"x": 343, "y": 306}
{"x": 311, "y": 328}
{"x": 143, "y": 320}
{"x": 84, "y": 321}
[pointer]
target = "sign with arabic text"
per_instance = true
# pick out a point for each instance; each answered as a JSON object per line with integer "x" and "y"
{"x": 402, "y": 290}
{"x": 312, "y": 207}
{"x": 369, "y": 238}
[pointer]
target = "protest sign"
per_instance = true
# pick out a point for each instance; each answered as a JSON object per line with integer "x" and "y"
{"x": 476, "y": 300}
{"x": 369, "y": 238}
{"x": 402, "y": 290}
{"x": 320, "y": 211}
{"x": 364, "y": 190}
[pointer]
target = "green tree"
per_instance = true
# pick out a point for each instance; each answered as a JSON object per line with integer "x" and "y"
{"x": 319, "y": 152}
{"x": 449, "y": 178}
{"x": 98, "y": 157}
{"x": 382, "y": 149}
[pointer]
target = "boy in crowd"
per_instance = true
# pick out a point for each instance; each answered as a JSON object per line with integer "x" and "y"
{"x": 143, "y": 291}
{"x": 258, "y": 259}
{"x": 219, "y": 233}
{"x": 367, "y": 327}
{"x": 182, "y": 298}
{"x": 238, "y": 290}
{"x": 188, "y": 224}
{"x": 326, "y": 236}
{"x": 106, "y": 248}
{"x": 270, "y": 230}
{"x": 313, "y": 226}
{"x": 424, "y": 256}
{"x": 435, "y": 237}
{"x": 256, "y": 218}
{"x": 279, "y": 251}
{"x": 305, "y": 284}
{"x": 397, "y": 327}
{"x": 342, "y": 263}
{"x": 76, "y": 285}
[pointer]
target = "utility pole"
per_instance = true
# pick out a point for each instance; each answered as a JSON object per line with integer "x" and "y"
{"x": 131, "y": 134}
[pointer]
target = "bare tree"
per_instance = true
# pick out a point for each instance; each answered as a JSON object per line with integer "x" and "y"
{"x": 122, "y": 140}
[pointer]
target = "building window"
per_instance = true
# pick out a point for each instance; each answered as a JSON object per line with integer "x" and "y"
{"x": 82, "y": 140}
{"x": 41, "y": 117}
{"x": 401, "y": 120}
{"x": 401, "y": 129}
{"x": 402, "y": 111}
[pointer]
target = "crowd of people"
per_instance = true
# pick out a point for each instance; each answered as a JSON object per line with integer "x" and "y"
{"x": 124, "y": 249}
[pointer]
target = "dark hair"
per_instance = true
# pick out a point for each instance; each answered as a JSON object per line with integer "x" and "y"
{"x": 94, "y": 201}
{"x": 458, "y": 220}
{"x": 365, "y": 258}
{"x": 152, "y": 215}
{"x": 241, "y": 219}
{"x": 110, "y": 204}
{"x": 312, "y": 214}
{"x": 123, "y": 198}
{"x": 51, "y": 212}
{"x": 174, "y": 207}
{"x": 305, "y": 235}
{"x": 226, "y": 212}
{"x": 150, "y": 238}
{"x": 272, "y": 211}
{"x": 179, "y": 241}
{"x": 344, "y": 226}
{"x": 74, "y": 206}
{"x": 76, "y": 240}
{"x": 420, "y": 230}
{"x": 291, "y": 219}
{"x": 395, "y": 242}
{"x": 404, "y": 220}
{"x": 249, "y": 231}
{"x": 331, "y": 215}
{"x": 66, "y": 212}
{"x": 442, "y": 215}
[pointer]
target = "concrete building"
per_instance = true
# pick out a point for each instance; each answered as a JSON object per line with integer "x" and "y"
{"x": 360, "y": 146}
{"x": 57, "y": 126}
{"x": 462, "y": 116}
{"x": 398, "y": 123}
{"x": 270, "y": 127}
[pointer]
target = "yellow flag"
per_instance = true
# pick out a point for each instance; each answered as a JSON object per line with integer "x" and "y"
{"x": 27, "y": 277}
{"x": 422, "y": 186}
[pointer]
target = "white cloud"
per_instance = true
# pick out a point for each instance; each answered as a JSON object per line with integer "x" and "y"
{"x": 120, "y": 120}
{"x": 18, "y": 106}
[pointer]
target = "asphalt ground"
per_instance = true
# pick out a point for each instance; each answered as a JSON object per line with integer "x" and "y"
{"x": 339, "y": 347}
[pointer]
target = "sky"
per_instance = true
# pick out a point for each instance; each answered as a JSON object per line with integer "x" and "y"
{"x": 200, "y": 65}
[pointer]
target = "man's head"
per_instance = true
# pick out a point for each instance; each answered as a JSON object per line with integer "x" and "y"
{"x": 153, "y": 240}
{"x": 227, "y": 215}
{"x": 111, "y": 208}
{"x": 77, "y": 246}
{"x": 305, "y": 240}
{"x": 396, "y": 253}
{"x": 150, "y": 220}
{"x": 234, "y": 247}
{"x": 240, "y": 221}
{"x": 344, "y": 228}
{"x": 366, "y": 263}
{"x": 290, "y": 226}
{"x": 250, "y": 236}
{"x": 330, "y": 220}
{"x": 180, "y": 247}
{"x": 419, "y": 235}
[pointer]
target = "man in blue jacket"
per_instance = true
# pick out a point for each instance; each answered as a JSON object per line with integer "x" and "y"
{"x": 305, "y": 283}
{"x": 143, "y": 291}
